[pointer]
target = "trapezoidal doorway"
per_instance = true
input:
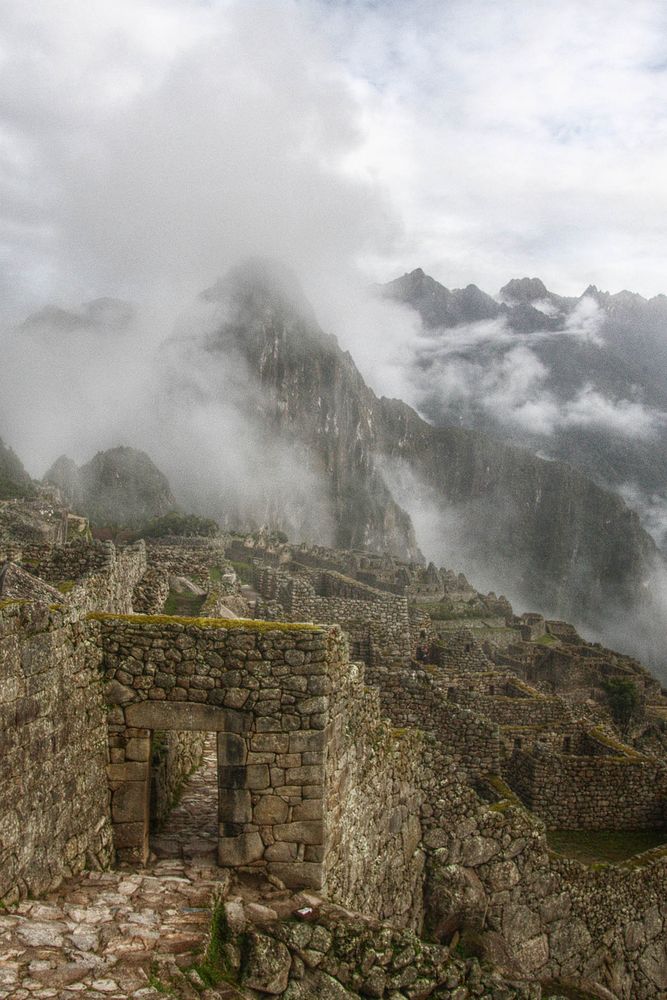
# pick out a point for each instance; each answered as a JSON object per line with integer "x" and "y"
{"x": 156, "y": 742}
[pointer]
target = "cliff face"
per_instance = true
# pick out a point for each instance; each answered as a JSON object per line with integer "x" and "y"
{"x": 14, "y": 480}
{"x": 118, "y": 486}
{"x": 312, "y": 395}
{"x": 538, "y": 528}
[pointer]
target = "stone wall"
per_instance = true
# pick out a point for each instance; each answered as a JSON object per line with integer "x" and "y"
{"x": 191, "y": 557}
{"x": 374, "y": 795}
{"x": 174, "y": 756}
{"x": 265, "y": 691}
{"x": 418, "y": 699}
{"x": 56, "y": 564}
{"x": 54, "y": 810}
{"x": 151, "y": 592}
{"x": 571, "y": 792}
{"x": 490, "y": 875}
{"x": 509, "y": 711}
{"x": 460, "y": 652}
{"x": 375, "y": 617}
{"x": 93, "y": 576}
{"x": 110, "y": 587}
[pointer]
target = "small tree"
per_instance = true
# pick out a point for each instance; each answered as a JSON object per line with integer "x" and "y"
{"x": 623, "y": 699}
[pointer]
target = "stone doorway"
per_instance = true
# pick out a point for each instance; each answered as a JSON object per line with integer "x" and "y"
{"x": 130, "y": 779}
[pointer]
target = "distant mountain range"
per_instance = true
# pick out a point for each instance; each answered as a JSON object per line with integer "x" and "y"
{"x": 582, "y": 380}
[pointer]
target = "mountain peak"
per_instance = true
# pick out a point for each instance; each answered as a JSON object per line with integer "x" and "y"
{"x": 524, "y": 290}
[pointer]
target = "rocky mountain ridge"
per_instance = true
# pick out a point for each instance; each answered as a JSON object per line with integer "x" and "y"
{"x": 579, "y": 379}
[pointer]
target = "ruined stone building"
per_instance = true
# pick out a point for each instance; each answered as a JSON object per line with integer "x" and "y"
{"x": 416, "y": 793}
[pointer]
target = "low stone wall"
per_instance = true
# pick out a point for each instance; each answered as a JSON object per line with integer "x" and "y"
{"x": 174, "y": 756}
{"x": 490, "y": 873}
{"x": 460, "y": 652}
{"x": 93, "y": 576}
{"x": 607, "y": 792}
{"x": 151, "y": 592}
{"x": 66, "y": 562}
{"x": 54, "y": 800}
{"x": 111, "y": 587}
{"x": 506, "y": 711}
{"x": 190, "y": 557}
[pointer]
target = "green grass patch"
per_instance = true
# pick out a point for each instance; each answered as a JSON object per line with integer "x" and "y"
{"x": 594, "y": 846}
{"x": 65, "y": 586}
{"x": 186, "y": 605}
{"x": 204, "y": 623}
{"x": 545, "y": 640}
{"x": 243, "y": 570}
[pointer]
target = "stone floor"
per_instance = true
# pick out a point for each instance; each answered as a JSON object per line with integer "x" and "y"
{"x": 127, "y": 932}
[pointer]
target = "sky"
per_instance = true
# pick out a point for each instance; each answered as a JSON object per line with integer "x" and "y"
{"x": 146, "y": 146}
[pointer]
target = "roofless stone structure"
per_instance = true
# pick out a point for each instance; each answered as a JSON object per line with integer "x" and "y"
{"x": 268, "y": 691}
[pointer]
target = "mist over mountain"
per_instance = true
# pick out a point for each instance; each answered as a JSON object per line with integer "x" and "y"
{"x": 14, "y": 480}
{"x": 119, "y": 486}
{"x": 579, "y": 379}
{"x": 252, "y": 414}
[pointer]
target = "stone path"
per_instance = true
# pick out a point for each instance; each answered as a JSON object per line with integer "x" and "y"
{"x": 127, "y": 932}
{"x": 191, "y": 832}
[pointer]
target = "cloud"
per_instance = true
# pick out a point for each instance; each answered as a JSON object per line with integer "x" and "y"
{"x": 519, "y": 138}
{"x": 150, "y": 149}
{"x": 486, "y": 369}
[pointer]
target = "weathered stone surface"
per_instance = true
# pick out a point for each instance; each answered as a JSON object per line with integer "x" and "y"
{"x": 269, "y": 810}
{"x": 268, "y": 964}
{"x": 241, "y": 850}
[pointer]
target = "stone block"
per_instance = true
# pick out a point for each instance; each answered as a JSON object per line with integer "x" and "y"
{"x": 240, "y": 850}
{"x": 128, "y": 771}
{"x": 309, "y": 775}
{"x": 129, "y": 803}
{"x": 232, "y": 749}
{"x": 269, "y": 810}
{"x": 186, "y": 716}
{"x": 303, "y": 832}
{"x": 280, "y": 852}
{"x": 118, "y": 694}
{"x": 297, "y": 874}
{"x": 270, "y": 742}
{"x": 308, "y": 810}
{"x": 137, "y": 749}
{"x": 126, "y": 835}
{"x": 234, "y": 805}
{"x": 257, "y": 776}
{"x": 304, "y": 742}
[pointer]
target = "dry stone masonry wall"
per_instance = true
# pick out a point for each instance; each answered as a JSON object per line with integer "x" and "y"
{"x": 374, "y": 795}
{"x": 610, "y": 792}
{"x": 265, "y": 691}
{"x": 54, "y": 813}
{"x": 367, "y": 614}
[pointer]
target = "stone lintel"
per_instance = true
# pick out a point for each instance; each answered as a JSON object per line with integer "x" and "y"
{"x": 190, "y": 716}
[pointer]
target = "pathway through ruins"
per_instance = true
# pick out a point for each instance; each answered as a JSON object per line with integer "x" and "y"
{"x": 191, "y": 831}
{"x": 127, "y": 932}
